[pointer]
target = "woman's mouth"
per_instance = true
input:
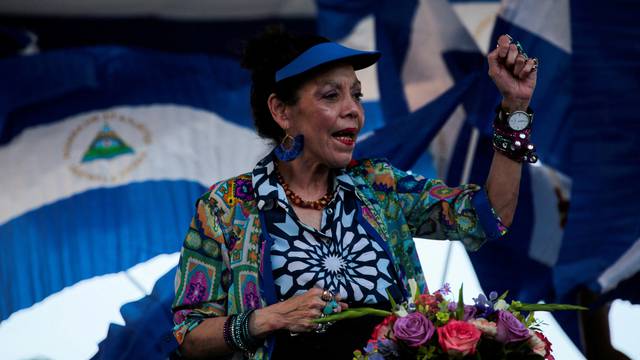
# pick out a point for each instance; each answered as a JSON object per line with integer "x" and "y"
{"x": 346, "y": 136}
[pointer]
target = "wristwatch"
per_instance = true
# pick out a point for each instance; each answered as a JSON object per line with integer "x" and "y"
{"x": 517, "y": 120}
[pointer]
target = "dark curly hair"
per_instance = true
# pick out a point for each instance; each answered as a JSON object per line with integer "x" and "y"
{"x": 264, "y": 56}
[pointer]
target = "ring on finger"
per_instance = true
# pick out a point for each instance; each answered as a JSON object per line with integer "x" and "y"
{"x": 535, "y": 64}
{"x": 518, "y": 47}
{"x": 321, "y": 327}
{"x": 327, "y": 295}
{"x": 330, "y": 307}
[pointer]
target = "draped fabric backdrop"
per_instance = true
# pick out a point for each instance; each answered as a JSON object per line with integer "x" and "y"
{"x": 114, "y": 118}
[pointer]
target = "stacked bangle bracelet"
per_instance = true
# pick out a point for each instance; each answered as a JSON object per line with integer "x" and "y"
{"x": 236, "y": 333}
{"x": 514, "y": 144}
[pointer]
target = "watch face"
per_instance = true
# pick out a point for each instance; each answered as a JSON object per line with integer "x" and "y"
{"x": 518, "y": 120}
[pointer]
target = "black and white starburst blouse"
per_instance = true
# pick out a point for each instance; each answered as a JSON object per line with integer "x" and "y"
{"x": 346, "y": 255}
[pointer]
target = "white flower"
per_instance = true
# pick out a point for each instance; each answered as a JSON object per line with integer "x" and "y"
{"x": 500, "y": 305}
{"x": 400, "y": 311}
{"x": 413, "y": 288}
{"x": 537, "y": 345}
{"x": 485, "y": 326}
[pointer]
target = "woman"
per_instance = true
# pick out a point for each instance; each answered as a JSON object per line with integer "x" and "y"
{"x": 310, "y": 231}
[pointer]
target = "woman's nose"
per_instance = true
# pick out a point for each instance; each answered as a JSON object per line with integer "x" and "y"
{"x": 352, "y": 108}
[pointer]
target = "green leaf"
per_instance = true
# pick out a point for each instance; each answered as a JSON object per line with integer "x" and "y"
{"x": 391, "y": 300}
{"x": 352, "y": 314}
{"x": 530, "y": 320}
{"x": 460, "y": 305}
{"x": 504, "y": 295}
{"x": 546, "y": 307}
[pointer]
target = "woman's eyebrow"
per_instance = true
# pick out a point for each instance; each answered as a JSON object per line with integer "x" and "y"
{"x": 334, "y": 83}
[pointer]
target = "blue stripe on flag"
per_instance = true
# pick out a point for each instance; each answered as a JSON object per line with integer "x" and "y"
{"x": 146, "y": 333}
{"x": 405, "y": 140}
{"x": 604, "y": 219}
{"x": 51, "y": 86}
{"x": 94, "y": 233}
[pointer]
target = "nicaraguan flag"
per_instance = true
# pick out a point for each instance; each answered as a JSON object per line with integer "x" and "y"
{"x": 568, "y": 233}
{"x": 534, "y": 240}
{"x": 103, "y": 151}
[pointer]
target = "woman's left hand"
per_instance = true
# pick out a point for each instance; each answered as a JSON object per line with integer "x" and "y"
{"x": 513, "y": 73}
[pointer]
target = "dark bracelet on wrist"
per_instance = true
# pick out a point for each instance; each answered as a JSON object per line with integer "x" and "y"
{"x": 514, "y": 144}
{"x": 227, "y": 332}
{"x": 236, "y": 333}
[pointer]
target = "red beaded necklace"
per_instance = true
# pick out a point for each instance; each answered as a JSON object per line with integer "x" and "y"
{"x": 298, "y": 201}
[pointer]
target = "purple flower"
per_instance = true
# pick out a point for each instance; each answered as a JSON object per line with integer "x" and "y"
{"x": 388, "y": 349}
{"x": 452, "y": 306}
{"x": 370, "y": 348}
{"x": 484, "y": 307}
{"x": 446, "y": 289}
{"x": 414, "y": 329}
{"x": 510, "y": 329}
{"x": 469, "y": 310}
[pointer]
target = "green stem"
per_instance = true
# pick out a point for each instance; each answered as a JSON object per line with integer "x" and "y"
{"x": 352, "y": 314}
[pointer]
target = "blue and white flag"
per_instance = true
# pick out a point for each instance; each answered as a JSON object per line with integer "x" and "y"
{"x": 426, "y": 51}
{"x": 572, "y": 227}
{"x": 104, "y": 151}
{"x": 601, "y": 245}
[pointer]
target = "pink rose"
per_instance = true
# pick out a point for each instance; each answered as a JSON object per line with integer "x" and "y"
{"x": 414, "y": 329}
{"x": 459, "y": 338}
{"x": 510, "y": 329}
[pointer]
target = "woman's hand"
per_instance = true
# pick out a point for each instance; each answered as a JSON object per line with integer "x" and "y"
{"x": 514, "y": 75}
{"x": 294, "y": 314}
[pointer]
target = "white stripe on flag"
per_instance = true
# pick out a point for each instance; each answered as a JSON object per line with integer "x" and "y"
{"x": 169, "y": 142}
{"x": 549, "y": 19}
{"x": 363, "y": 38}
{"x": 436, "y": 29}
{"x": 625, "y": 267}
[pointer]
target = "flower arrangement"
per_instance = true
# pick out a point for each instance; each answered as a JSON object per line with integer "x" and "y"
{"x": 434, "y": 326}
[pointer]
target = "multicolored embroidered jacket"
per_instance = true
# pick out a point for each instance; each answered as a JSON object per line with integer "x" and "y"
{"x": 221, "y": 260}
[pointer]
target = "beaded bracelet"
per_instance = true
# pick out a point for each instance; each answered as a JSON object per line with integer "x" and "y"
{"x": 227, "y": 332}
{"x": 514, "y": 150}
{"x": 236, "y": 333}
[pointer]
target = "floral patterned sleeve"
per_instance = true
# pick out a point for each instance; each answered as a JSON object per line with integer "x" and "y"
{"x": 435, "y": 211}
{"x": 202, "y": 279}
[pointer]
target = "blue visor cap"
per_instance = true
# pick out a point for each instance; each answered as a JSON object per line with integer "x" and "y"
{"x": 325, "y": 53}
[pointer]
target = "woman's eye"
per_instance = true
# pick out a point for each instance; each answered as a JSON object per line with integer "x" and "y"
{"x": 331, "y": 95}
{"x": 358, "y": 96}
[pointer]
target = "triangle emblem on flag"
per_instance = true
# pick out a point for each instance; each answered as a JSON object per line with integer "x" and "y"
{"x": 106, "y": 145}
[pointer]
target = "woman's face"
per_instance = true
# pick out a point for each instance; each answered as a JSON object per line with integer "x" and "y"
{"x": 329, "y": 114}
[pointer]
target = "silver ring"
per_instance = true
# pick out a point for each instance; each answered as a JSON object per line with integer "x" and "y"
{"x": 321, "y": 327}
{"x": 327, "y": 295}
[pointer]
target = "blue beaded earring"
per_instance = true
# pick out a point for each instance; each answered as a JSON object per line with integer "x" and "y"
{"x": 290, "y": 147}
